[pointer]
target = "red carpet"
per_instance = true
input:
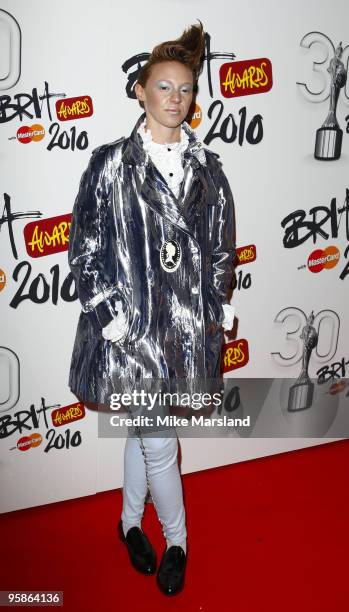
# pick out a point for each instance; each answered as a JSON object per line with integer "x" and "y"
{"x": 268, "y": 535}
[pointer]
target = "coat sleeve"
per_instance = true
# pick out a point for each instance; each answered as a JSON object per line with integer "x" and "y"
{"x": 89, "y": 239}
{"x": 223, "y": 238}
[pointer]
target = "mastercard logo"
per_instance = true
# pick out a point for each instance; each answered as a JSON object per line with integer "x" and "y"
{"x": 27, "y": 134}
{"x": 196, "y": 117}
{"x": 27, "y": 442}
{"x": 2, "y": 279}
{"x": 320, "y": 259}
{"x": 338, "y": 387}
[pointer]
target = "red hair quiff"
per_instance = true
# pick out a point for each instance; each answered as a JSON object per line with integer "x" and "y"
{"x": 188, "y": 49}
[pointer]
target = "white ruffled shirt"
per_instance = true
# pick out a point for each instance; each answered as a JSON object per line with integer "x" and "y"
{"x": 167, "y": 157}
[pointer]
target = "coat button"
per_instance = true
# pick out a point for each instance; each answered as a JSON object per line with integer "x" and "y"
{"x": 195, "y": 290}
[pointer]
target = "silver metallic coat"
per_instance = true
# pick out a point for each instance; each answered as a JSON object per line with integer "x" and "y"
{"x": 123, "y": 213}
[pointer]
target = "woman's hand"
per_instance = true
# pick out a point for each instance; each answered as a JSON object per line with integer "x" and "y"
{"x": 229, "y": 314}
{"x": 117, "y": 328}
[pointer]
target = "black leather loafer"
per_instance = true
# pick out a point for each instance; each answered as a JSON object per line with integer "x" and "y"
{"x": 171, "y": 572}
{"x": 141, "y": 552}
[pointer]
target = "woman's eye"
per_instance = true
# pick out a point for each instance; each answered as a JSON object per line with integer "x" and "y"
{"x": 167, "y": 87}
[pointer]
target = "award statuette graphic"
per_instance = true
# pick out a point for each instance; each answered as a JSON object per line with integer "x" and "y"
{"x": 328, "y": 142}
{"x": 301, "y": 393}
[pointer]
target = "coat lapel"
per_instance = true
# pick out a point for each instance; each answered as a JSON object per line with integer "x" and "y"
{"x": 156, "y": 193}
{"x": 193, "y": 190}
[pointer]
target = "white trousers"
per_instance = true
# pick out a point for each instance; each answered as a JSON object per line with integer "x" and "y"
{"x": 151, "y": 462}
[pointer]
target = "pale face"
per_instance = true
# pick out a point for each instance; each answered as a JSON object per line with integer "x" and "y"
{"x": 167, "y": 96}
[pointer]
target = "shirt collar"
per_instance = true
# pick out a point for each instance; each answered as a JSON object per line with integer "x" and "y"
{"x": 134, "y": 152}
{"x": 154, "y": 147}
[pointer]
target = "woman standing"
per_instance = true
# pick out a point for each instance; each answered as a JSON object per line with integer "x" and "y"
{"x": 151, "y": 249}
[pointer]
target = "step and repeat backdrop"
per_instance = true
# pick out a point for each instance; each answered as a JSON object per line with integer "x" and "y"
{"x": 273, "y": 102}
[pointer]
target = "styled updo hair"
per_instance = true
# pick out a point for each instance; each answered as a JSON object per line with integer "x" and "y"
{"x": 188, "y": 49}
